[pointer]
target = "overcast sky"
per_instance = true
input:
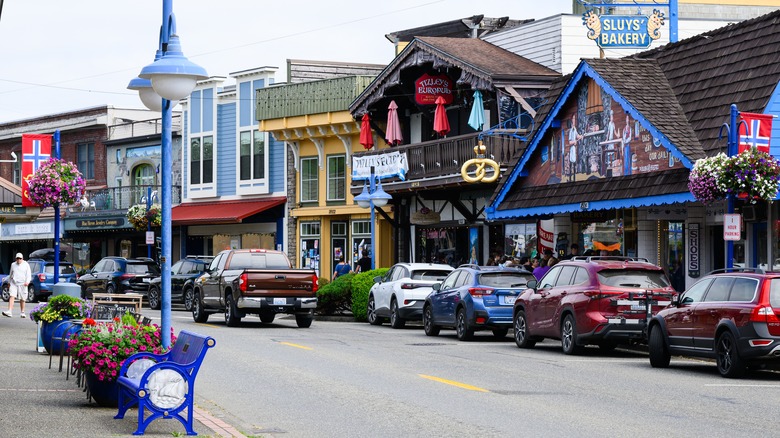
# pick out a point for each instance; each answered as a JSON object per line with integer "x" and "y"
{"x": 60, "y": 56}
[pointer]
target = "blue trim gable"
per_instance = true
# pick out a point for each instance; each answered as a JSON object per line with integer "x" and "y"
{"x": 593, "y": 205}
{"x": 582, "y": 70}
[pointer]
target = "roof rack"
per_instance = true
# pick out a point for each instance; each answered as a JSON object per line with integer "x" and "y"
{"x": 610, "y": 258}
{"x": 727, "y": 270}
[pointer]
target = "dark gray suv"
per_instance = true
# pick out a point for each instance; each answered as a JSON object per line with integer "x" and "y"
{"x": 119, "y": 275}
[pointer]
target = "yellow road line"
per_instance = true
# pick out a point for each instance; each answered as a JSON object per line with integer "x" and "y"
{"x": 453, "y": 383}
{"x": 296, "y": 346}
{"x": 209, "y": 325}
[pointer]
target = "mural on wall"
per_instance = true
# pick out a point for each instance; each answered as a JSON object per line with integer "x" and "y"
{"x": 596, "y": 140}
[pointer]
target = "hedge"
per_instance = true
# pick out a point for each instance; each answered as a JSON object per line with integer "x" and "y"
{"x": 361, "y": 285}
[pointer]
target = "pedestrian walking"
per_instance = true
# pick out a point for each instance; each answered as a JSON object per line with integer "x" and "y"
{"x": 364, "y": 264}
{"x": 19, "y": 277}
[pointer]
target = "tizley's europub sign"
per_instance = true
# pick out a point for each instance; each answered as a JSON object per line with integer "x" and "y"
{"x": 623, "y": 31}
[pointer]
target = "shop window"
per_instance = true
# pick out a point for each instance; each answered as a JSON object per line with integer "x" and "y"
{"x": 202, "y": 160}
{"x": 85, "y": 157}
{"x": 309, "y": 180}
{"x": 520, "y": 240}
{"x": 252, "y": 155}
{"x": 337, "y": 178}
{"x": 310, "y": 246}
{"x": 361, "y": 239}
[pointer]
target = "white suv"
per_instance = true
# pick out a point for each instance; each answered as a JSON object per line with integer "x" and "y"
{"x": 400, "y": 294}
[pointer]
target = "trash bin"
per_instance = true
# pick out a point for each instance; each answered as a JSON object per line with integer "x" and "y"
{"x": 62, "y": 288}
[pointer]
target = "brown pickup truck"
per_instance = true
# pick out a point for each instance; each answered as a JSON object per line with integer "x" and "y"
{"x": 259, "y": 281}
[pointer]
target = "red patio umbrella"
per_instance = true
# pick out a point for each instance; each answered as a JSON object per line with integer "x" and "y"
{"x": 440, "y": 122}
{"x": 366, "y": 136}
{"x": 393, "y": 134}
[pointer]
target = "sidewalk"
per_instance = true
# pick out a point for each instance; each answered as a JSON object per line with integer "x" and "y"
{"x": 38, "y": 401}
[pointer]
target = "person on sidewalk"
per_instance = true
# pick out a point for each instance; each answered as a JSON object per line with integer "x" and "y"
{"x": 342, "y": 268}
{"x": 364, "y": 264}
{"x": 19, "y": 278}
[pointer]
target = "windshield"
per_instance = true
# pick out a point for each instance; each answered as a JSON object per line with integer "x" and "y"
{"x": 505, "y": 279}
{"x": 64, "y": 269}
{"x": 142, "y": 268}
{"x": 636, "y": 278}
{"x": 259, "y": 260}
{"x": 430, "y": 275}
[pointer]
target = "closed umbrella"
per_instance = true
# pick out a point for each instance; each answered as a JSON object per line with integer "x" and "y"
{"x": 393, "y": 135}
{"x": 440, "y": 123}
{"x": 366, "y": 136}
{"x": 477, "y": 116}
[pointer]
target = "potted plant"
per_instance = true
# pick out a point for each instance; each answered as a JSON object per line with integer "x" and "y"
{"x": 141, "y": 218}
{"x": 53, "y": 313}
{"x": 751, "y": 174}
{"x": 56, "y": 182}
{"x": 703, "y": 182}
{"x": 100, "y": 349}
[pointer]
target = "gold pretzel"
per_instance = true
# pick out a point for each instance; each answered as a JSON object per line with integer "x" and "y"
{"x": 479, "y": 163}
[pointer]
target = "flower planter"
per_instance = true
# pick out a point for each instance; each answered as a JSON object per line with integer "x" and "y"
{"x": 104, "y": 392}
{"x": 54, "y": 329}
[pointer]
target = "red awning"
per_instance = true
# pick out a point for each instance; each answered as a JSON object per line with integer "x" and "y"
{"x": 223, "y": 212}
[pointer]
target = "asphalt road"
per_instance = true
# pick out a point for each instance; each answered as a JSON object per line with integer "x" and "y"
{"x": 344, "y": 379}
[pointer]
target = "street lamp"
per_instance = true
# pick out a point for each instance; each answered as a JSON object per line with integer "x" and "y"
{"x": 172, "y": 77}
{"x": 372, "y": 196}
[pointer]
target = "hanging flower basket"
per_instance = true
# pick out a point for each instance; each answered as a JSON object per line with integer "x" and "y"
{"x": 752, "y": 174}
{"x": 140, "y": 218}
{"x": 56, "y": 182}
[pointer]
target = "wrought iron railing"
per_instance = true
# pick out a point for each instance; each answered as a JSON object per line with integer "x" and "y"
{"x": 446, "y": 156}
{"x": 119, "y": 198}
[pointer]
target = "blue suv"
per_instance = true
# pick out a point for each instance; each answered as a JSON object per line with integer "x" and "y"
{"x": 40, "y": 287}
{"x": 474, "y": 298}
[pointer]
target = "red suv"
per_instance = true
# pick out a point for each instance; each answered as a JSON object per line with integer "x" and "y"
{"x": 731, "y": 316}
{"x": 602, "y": 301}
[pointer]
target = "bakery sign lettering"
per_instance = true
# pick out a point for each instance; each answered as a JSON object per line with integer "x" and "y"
{"x": 623, "y": 31}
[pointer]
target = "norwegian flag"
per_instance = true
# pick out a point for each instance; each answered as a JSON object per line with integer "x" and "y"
{"x": 759, "y": 130}
{"x": 36, "y": 150}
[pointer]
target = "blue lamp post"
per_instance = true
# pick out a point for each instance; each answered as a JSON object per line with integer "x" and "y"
{"x": 172, "y": 77}
{"x": 373, "y": 196}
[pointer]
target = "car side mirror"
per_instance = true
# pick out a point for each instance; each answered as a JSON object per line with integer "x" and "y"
{"x": 532, "y": 284}
{"x": 436, "y": 287}
{"x": 378, "y": 279}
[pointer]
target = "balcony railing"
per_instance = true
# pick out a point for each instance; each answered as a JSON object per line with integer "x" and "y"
{"x": 142, "y": 128}
{"x": 119, "y": 199}
{"x": 446, "y": 156}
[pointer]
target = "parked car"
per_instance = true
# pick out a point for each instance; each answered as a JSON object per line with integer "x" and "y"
{"x": 40, "y": 288}
{"x": 119, "y": 275}
{"x": 399, "y": 294}
{"x": 602, "y": 301}
{"x": 183, "y": 274}
{"x": 732, "y": 316}
{"x": 474, "y": 298}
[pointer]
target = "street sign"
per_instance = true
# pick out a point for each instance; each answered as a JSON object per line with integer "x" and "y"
{"x": 732, "y": 226}
{"x": 150, "y": 237}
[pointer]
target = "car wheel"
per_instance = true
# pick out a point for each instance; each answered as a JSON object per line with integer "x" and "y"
{"x": 729, "y": 362}
{"x": 186, "y": 298}
{"x": 522, "y": 338}
{"x": 430, "y": 328}
{"x": 267, "y": 317}
{"x": 396, "y": 321}
{"x": 6, "y": 294}
{"x": 659, "y": 354}
{"x": 110, "y": 289}
{"x": 304, "y": 320}
{"x": 198, "y": 313}
{"x": 569, "y": 336}
{"x": 31, "y": 294}
{"x": 232, "y": 319}
{"x": 462, "y": 328}
{"x": 500, "y": 333}
{"x": 154, "y": 298}
{"x": 371, "y": 315}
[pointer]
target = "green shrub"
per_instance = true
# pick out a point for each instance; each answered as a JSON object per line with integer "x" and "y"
{"x": 361, "y": 285}
{"x": 335, "y": 296}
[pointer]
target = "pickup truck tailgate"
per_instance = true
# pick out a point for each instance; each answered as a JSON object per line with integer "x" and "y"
{"x": 278, "y": 283}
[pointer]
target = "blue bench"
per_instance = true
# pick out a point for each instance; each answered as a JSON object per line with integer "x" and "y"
{"x": 163, "y": 384}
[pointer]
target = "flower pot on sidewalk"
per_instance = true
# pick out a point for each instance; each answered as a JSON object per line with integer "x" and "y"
{"x": 104, "y": 392}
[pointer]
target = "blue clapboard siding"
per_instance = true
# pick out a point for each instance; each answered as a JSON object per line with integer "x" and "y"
{"x": 226, "y": 150}
{"x": 276, "y": 165}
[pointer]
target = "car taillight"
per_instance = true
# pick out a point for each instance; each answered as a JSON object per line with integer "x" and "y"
{"x": 125, "y": 277}
{"x": 315, "y": 283}
{"x": 242, "y": 281}
{"x": 408, "y": 286}
{"x": 592, "y": 293}
{"x": 42, "y": 276}
{"x": 766, "y": 315}
{"x": 480, "y": 291}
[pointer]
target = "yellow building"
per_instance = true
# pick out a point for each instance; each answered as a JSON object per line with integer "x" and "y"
{"x": 313, "y": 120}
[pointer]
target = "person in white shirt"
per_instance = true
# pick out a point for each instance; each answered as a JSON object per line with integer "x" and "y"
{"x": 19, "y": 278}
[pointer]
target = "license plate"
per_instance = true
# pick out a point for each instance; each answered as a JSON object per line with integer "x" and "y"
{"x": 280, "y": 301}
{"x": 147, "y": 280}
{"x": 508, "y": 299}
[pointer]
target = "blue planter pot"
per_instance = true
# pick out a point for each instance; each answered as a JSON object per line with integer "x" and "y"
{"x": 104, "y": 392}
{"x": 54, "y": 329}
